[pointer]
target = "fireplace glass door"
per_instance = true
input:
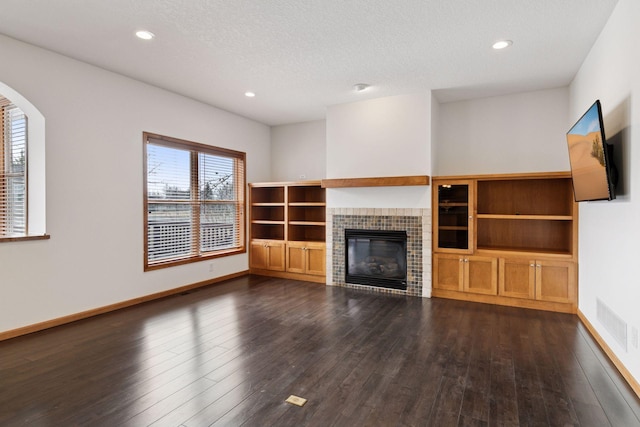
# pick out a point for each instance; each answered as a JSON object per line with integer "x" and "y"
{"x": 376, "y": 258}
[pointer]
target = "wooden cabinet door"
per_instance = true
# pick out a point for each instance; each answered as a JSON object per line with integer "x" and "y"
{"x": 258, "y": 255}
{"x": 296, "y": 257}
{"x": 543, "y": 280}
{"x": 276, "y": 258}
{"x": 448, "y": 272}
{"x": 517, "y": 278}
{"x": 480, "y": 275}
{"x": 267, "y": 255}
{"x": 556, "y": 281}
{"x": 315, "y": 259}
{"x": 306, "y": 258}
{"x": 453, "y": 216}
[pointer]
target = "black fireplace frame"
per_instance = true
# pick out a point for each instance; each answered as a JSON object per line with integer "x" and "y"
{"x": 381, "y": 282}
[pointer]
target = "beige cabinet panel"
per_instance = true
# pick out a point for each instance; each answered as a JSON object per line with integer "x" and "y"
{"x": 481, "y": 275}
{"x": 516, "y": 278}
{"x": 306, "y": 258}
{"x": 555, "y": 281}
{"x": 267, "y": 255}
{"x": 448, "y": 272}
{"x": 475, "y": 274}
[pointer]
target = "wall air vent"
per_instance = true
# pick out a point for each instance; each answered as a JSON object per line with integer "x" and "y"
{"x": 612, "y": 323}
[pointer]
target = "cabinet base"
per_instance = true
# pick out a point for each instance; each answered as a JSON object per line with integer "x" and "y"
{"x": 506, "y": 301}
{"x": 288, "y": 275}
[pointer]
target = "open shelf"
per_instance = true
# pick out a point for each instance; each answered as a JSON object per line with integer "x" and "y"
{"x": 525, "y": 215}
{"x": 306, "y": 233}
{"x": 525, "y": 235}
{"x": 267, "y": 231}
{"x": 529, "y": 217}
{"x": 511, "y": 250}
{"x": 307, "y": 213}
{"x": 546, "y": 197}
{"x": 267, "y": 195}
{"x": 306, "y": 194}
{"x": 268, "y": 213}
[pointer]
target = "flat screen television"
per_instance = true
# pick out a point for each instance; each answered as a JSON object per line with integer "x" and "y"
{"x": 591, "y": 158}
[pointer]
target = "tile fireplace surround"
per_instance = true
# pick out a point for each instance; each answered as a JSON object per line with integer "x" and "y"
{"x": 417, "y": 224}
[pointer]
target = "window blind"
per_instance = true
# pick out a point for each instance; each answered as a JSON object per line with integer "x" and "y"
{"x": 13, "y": 170}
{"x": 194, "y": 201}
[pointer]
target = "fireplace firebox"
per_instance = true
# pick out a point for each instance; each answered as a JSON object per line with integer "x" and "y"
{"x": 376, "y": 258}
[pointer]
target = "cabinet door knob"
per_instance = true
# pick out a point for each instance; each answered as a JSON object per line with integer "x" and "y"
{"x": 532, "y": 265}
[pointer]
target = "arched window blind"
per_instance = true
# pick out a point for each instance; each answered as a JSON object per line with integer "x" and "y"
{"x": 13, "y": 170}
{"x": 194, "y": 201}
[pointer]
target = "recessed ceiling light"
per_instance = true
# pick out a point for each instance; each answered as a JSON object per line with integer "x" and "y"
{"x": 249, "y": 94}
{"x": 501, "y": 44}
{"x": 145, "y": 35}
{"x": 359, "y": 87}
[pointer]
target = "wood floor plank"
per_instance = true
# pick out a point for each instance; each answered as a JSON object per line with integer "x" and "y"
{"x": 475, "y": 403}
{"x": 230, "y": 354}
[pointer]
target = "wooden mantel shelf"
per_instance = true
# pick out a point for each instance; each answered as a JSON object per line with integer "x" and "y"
{"x": 391, "y": 181}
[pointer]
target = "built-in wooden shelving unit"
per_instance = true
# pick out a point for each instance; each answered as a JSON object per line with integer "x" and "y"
{"x": 287, "y": 234}
{"x": 506, "y": 239}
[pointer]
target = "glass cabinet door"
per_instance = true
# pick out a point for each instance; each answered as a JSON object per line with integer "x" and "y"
{"x": 454, "y": 216}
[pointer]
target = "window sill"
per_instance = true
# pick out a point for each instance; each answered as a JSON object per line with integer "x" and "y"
{"x": 5, "y": 239}
{"x": 208, "y": 256}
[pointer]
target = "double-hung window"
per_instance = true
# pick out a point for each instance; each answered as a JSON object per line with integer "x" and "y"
{"x": 13, "y": 170}
{"x": 194, "y": 201}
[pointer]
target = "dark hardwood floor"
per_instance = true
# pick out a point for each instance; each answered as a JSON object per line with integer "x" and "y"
{"x": 230, "y": 355}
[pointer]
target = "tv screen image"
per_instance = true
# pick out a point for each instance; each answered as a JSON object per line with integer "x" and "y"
{"x": 589, "y": 156}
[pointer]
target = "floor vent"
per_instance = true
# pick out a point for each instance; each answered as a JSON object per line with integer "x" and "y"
{"x": 612, "y": 323}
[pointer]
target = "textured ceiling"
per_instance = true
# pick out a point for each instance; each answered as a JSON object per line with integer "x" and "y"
{"x": 300, "y": 56}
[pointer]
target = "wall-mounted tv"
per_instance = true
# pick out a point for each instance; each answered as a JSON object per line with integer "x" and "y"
{"x": 591, "y": 158}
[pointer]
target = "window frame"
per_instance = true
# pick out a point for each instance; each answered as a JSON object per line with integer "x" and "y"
{"x": 36, "y": 180}
{"x": 195, "y": 149}
{"x": 6, "y": 176}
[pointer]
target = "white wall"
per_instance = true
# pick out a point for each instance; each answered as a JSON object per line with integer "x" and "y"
{"x": 435, "y": 133}
{"x": 381, "y": 137}
{"x": 610, "y": 231}
{"x": 94, "y": 124}
{"x": 298, "y": 151}
{"x": 523, "y": 132}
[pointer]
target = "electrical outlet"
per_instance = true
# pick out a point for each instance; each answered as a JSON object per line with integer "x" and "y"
{"x": 303, "y": 176}
{"x": 211, "y": 268}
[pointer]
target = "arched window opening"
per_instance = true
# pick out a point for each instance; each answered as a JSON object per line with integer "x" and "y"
{"x": 13, "y": 170}
{"x": 22, "y": 168}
